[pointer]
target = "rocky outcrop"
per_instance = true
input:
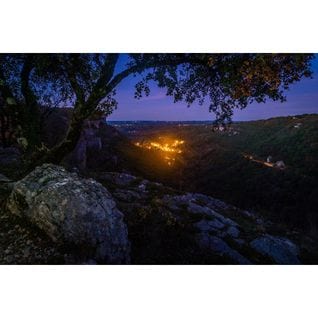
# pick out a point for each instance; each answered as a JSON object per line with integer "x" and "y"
{"x": 216, "y": 233}
{"x": 164, "y": 226}
{"x": 97, "y": 147}
{"x": 78, "y": 213}
{"x": 220, "y": 230}
{"x": 89, "y": 141}
{"x": 280, "y": 250}
{"x": 217, "y": 245}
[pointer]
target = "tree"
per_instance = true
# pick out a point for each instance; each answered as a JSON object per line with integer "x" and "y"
{"x": 88, "y": 83}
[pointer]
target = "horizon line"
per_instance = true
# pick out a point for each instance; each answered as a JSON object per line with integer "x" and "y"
{"x": 196, "y": 120}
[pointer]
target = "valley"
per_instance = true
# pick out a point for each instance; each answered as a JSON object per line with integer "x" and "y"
{"x": 268, "y": 166}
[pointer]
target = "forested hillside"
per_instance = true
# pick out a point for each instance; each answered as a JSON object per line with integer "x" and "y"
{"x": 231, "y": 164}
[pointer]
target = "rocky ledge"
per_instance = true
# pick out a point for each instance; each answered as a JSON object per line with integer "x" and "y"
{"x": 54, "y": 216}
{"x": 216, "y": 231}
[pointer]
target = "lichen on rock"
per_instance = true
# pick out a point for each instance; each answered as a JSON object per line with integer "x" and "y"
{"x": 77, "y": 212}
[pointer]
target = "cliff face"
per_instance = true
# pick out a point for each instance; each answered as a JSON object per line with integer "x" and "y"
{"x": 96, "y": 147}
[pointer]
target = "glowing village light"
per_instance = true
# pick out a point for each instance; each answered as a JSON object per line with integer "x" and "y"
{"x": 167, "y": 147}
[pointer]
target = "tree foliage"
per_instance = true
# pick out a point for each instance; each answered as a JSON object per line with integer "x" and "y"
{"x": 88, "y": 82}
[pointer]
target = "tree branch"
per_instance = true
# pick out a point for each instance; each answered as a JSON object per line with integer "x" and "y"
{"x": 71, "y": 73}
{"x": 138, "y": 68}
{"x": 27, "y": 92}
{"x": 107, "y": 72}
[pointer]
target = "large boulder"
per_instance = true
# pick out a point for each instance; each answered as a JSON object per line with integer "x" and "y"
{"x": 79, "y": 213}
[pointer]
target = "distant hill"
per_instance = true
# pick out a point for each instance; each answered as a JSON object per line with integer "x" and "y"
{"x": 216, "y": 163}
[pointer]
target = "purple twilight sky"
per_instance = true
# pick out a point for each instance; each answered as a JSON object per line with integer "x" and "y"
{"x": 302, "y": 98}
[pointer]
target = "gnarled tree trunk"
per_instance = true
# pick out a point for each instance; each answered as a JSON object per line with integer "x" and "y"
{"x": 58, "y": 152}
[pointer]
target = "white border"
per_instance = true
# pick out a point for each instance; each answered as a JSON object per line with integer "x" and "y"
{"x": 158, "y": 26}
{"x": 158, "y": 291}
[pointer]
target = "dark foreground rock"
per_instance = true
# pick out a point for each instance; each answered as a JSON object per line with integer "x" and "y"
{"x": 10, "y": 162}
{"x": 56, "y": 217}
{"x": 22, "y": 244}
{"x": 79, "y": 213}
{"x": 283, "y": 251}
{"x": 193, "y": 228}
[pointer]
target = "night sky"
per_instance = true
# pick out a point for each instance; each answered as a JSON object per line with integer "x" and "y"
{"x": 302, "y": 98}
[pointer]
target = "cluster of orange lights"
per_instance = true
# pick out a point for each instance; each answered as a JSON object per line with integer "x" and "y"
{"x": 169, "y": 147}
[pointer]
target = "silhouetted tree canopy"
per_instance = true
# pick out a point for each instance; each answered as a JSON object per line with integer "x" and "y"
{"x": 88, "y": 83}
